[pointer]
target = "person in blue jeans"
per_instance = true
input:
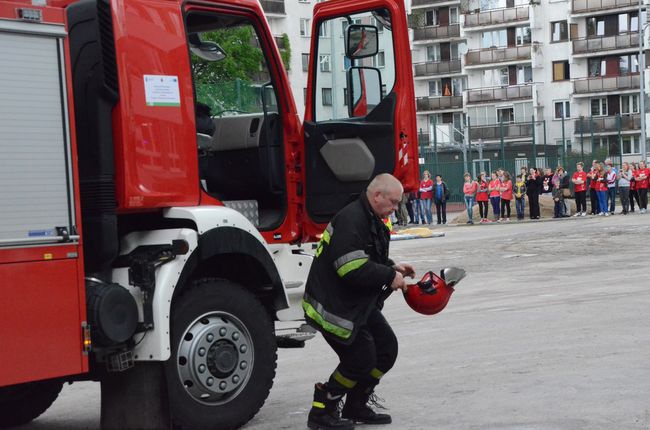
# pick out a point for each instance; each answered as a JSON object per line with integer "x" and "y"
{"x": 601, "y": 191}
{"x": 426, "y": 194}
{"x": 469, "y": 190}
{"x": 611, "y": 187}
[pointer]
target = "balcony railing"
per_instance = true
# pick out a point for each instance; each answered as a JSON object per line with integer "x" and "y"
{"x": 273, "y": 6}
{"x": 437, "y": 68}
{"x": 605, "y": 43}
{"x": 512, "y": 92}
{"x": 497, "y": 55}
{"x": 424, "y": 104}
{"x": 607, "y": 83}
{"x": 580, "y": 6}
{"x": 427, "y": 2}
{"x": 496, "y": 16}
{"x": 607, "y": 124}
{"x": 436, "y": 32}
{"x": 510, "y": 130}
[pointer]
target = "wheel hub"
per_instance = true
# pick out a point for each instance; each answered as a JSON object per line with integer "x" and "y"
{"x": 215, "y": 358}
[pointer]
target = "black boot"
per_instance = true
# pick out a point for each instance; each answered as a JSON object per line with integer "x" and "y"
{"x": 357, "y": 406}
{"x": 324, "y": 413}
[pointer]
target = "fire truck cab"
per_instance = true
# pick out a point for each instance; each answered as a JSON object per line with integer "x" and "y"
{"x": 160, "y": 193}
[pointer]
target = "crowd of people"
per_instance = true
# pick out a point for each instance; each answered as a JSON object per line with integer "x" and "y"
{"x": 603, "y": 182}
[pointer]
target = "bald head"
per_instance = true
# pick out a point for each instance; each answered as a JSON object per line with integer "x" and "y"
{"x": 384, "y": 193}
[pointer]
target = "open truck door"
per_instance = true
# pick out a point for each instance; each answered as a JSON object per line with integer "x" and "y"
{"x": 360, "y": 110}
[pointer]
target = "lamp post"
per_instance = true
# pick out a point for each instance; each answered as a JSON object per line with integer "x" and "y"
{"x": 642, "y": 26}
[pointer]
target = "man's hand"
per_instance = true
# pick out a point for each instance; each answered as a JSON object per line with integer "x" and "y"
{"x": 405, "y": 269}
{"x": 398, "y": 282}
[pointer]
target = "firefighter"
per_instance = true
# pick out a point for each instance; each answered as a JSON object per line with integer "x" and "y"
{"x": 349, "y": 280}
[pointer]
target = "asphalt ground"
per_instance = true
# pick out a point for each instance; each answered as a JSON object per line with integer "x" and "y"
{"x": 548, "y": 331}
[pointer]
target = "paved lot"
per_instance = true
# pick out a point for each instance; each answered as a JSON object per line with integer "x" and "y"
{"x": 550, "y": 330}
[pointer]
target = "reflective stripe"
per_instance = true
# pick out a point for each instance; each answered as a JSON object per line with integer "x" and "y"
{"x": 318, "y": 405}
{"x": 349, "y": 262}
{"x": 347, "y": 383}
{"x": 328, "y": 321}
{"x": 376, "y": 373}
{"x": 325, "y": 238}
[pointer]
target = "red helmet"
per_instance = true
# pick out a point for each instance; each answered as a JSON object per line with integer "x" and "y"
{"x": 431, "y": 294}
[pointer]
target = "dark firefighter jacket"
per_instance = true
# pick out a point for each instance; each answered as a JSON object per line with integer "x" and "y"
{"x": 351, "y": 273}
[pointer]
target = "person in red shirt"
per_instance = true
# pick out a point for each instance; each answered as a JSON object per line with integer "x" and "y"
{"x": 642, "y": 177}
{"x": 426, "y": 194}
{"x": 494, "y": 187}
{"x": 601, "y": 189}
{"x": 579, "y": 180}
{"x": 593, "y": 188}
{"x": 469, "y": 190}
{"x": 634, "y": 194}
{"x": 506, "y": 196}
{"x": 482, "y": 197}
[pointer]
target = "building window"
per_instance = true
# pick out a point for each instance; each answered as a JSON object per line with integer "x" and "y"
{"x": 630, "y": 104}
{"x": 523, "y": 35}
{"x": 596, "y": 26}
{"x": 628, "y": 22}
{"x": 322, "y": 30}
{"x": 496, "y": 77}
{"x": 304, "y": 27}
{"x": 628, "y": 64}
{"x": 433, "y": 53}
{"x": 305, "y": 62}
{"x": 562, "y": 109}
{"x": 494, "y": 39}
{"x": 524, "y": 74}
{"x": 431, "y": 17}
{"x": 631, "y": 145}
{"x": 561, "y": 70}
{"x": 434, "y": 88}
{"x": 559, "y": 31}
{"x": 327, "y": 97}
{"x": 379, "y": 60}
{"x": 599, "y": 106}
{"x": 597, "y": 67}
{"x": 453, "y": 15}
{"x": 324, "y": 61}
{"x": 344, "y": 25}
{"x": 455, "y": 55}
{"x": 506, "y": 115}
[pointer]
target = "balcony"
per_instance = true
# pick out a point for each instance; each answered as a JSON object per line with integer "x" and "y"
{"x": 496, "y": 17}
{"x": 607, "y": 124}
{"x": 512, "y": 130}
{"x": 511, "y": 92}
{"x": 274, "y": 7}
{"x": 599, "y": 44}
{"x": 437, "y": 68}
{"x": 481, "y": 57}
{"x": 586, "y": 6}
{"x": 436, "y": 32}
{"x": 426, "y": 104}
{"x": 602, "y": 84}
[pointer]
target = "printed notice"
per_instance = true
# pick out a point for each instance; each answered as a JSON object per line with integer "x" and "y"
{"x": 161, "y": 90}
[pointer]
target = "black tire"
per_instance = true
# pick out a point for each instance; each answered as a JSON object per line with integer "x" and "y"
{"x": 201, "y": 387}
{"x": 20, "y": 404}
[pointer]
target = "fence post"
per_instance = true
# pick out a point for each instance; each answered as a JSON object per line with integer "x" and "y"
{"x": 582, "y": 139}
{"x": 591, "y": 130}
{"x": 469, "y": 147}
{"x": 534, "y": 163}
{"x": 435, "y": 144}
{"x": 545, "y": 154}
{"x": 563, "y": 141}
{"x": 620, "y": 141}
{"x": 503, "y": 146}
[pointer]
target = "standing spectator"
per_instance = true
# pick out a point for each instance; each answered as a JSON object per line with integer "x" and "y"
{"x": 494, "y": 187}
{"x": 523, "y": 171}
{"x": 634, "y": 194}
{"x": 410, "y": 203}
{"x": 611, "y": 187}
{"x": 641, "y": 176}
{"x": 426, "y": 194}
{"x": 566, "y": 192}
{"x": 440, "y": 199}
{"x": 482, "y": 197}
{"x": 558, "y": 197}
{"x": 402, "y": 213}
{"x": 520, "y": 199}
{"x": 506, "y": 196}
{"x": 547, "y": 181}
{"x": 470, "y": 188}
{"x": 624, "y": 187}
{"x": 579, "y": 180}
{"x": 593, "y": 188}
{"x": 601, "y": 190}
{"x": 533, "y": 187}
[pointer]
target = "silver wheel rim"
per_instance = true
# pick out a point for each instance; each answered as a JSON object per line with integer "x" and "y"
{"x": 215, "y": 358}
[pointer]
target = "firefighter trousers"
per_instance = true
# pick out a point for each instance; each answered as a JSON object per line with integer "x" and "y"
{"x": 372, "y": 353}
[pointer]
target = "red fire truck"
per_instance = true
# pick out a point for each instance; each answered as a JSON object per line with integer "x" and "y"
{"x": 159, "y": 192}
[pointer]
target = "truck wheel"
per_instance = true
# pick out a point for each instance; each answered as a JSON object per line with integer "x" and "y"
{"x": 223, "y": 356}
{"x": 20, "y": 404}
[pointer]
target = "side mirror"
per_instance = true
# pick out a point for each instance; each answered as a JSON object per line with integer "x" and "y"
{"x": 364, "y": 90}
{"x": 207, "y": 50}
{"x": 452, "y": 275}
{"x": 361, "y": 41}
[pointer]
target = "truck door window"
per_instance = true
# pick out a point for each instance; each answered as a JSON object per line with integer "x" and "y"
{"x": 364, "y": 82}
